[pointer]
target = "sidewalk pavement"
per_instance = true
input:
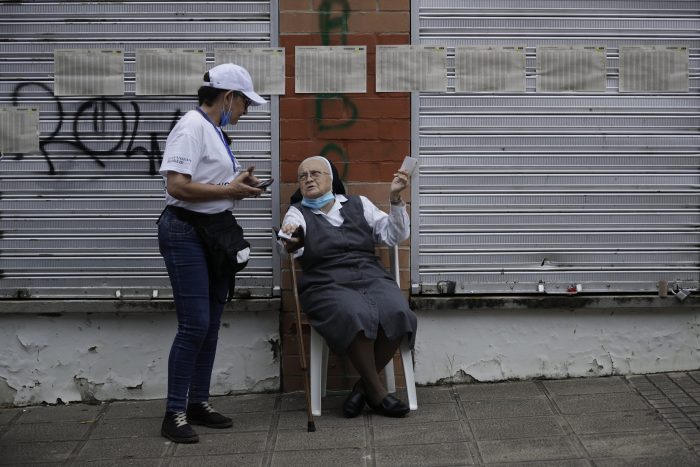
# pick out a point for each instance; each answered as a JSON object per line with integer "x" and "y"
{"x": 649, "y": 420}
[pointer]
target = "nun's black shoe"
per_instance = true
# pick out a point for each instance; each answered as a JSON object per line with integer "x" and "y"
{"x": 390, "y": 406}
{"x": 355, "y": 402}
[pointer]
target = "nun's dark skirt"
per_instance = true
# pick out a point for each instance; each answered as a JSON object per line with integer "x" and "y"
{"x": 339, "y": 311}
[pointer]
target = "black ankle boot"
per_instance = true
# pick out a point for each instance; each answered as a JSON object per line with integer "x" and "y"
{"x": 176, "y": 428}
{"x": 390, "y": 406}
{"x": 355, "y": 402}
{"x": 202, "y": 413}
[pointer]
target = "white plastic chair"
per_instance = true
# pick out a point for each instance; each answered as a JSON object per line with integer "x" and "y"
{"x": 318, "y": 361}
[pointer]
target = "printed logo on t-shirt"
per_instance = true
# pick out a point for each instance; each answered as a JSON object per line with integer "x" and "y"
{"x": 181, "y": 160}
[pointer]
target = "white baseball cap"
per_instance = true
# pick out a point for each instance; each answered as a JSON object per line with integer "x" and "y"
{"x": 234, "y": 78}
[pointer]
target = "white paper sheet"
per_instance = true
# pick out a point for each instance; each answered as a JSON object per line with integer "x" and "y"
{"x": 490, "y": 69}
{"x": 19, "y": 129}
{"x": 88, "y": 72}
{"x": 654, "y": 69}
{"x": 330, "y": 69}
{"x": 405, "y": 68}
{"x": 571, "y": 68}
{"x": 169, "y": 72}
{"x": 266, "y": 66}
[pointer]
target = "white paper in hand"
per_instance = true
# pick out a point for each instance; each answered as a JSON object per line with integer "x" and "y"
{"x": 409, "y": 164}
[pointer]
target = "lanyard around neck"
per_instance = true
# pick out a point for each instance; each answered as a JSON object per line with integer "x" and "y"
{"x": 221, "y": 137}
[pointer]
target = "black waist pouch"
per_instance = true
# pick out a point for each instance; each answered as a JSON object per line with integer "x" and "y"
{"x": 222, "y": 239}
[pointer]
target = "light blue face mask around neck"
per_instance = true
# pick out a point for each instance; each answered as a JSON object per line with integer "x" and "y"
{"x": 225, "y": 117}
{"x": 317, "y": 203}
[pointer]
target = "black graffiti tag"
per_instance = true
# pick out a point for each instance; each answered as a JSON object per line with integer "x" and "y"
{"x": 90, "y": 123}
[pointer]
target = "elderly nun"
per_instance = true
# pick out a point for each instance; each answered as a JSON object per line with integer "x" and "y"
{"x": 349, "y": 297}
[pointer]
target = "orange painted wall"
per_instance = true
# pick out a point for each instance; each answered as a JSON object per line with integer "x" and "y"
{"x": 365, "y": 135}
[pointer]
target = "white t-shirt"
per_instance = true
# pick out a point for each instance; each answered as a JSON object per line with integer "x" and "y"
{"x": 196, "y": 147}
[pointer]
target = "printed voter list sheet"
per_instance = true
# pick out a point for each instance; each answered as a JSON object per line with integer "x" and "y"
{"x": 169, "y": 72}
{"x": 88, "y": 72}
{"x": 266, "y": 66}
{"x": 19, "y": 129}
{"x": 569, "y": 68}
{"x": 653, "y": 68}
{"x": 490, "y": 69}
{"x": 330, "y": 69}
{"x": 405, "y": 68}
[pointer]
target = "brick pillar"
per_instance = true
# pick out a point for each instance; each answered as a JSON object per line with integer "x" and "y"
{"x": 365, "y": 135}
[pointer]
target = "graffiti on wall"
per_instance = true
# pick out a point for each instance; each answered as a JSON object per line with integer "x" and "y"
{"x": 333, "y": 18}
{"x": 89, "y": 125}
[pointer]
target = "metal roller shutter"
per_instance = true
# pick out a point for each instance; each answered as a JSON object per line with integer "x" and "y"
{"x": 593, "y": 189}
{"x": 79, "y": 219}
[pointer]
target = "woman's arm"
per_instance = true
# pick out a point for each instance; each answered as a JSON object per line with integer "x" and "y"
{"x": 393, "y": 228}
{"x": 182, "y": 187}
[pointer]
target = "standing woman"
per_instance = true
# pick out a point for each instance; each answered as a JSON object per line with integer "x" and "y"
{"x": 203, "y": 183}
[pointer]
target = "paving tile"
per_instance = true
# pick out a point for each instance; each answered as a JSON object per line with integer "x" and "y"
{"x": 297, "y": 401}
{"x": 669, "y": 411}
{"x": 661, "y": 404}
{"x": 247, "y": 421}
{"x": 681, "y": 459}
{"x": 243, "y": 403}
{"x": 41, "y": 432}
{"x": 66, "y": 413}
{"x": 6, "y": 415}
{"x": 424, "y": 455}
{"x": 135, "y": 409}
{"x": 490, "y": 391}
{"x": 616, "y": 422}
{"x": 522, "y": 427}
{"x": 238, "y": 460}
{"x": 352, "y": 457}
{"x": 632, "y": 444}
{"x": 102, "y": 449}
{"x": 224, "y": 443}
{"x": 431, "y": 413}
{"x": 556, "y": 463}
{"x": 340, "y": 437}
{"x": 593, "y": 403}
{"x": 127, "y": 428}
{"x": 587, "y": 386}
{"x": 531, "y": 449}
{"x": 140, "y": 462}
{"x": 297, "y": 419}
{"x": 427, "y": 433}
{"x": 433, "y": 395}
{"x": 54, "y": 451}
{"x": 507, "y": 408}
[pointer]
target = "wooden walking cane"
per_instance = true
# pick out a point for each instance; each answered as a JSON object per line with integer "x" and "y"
{"x": 302, "y": 354}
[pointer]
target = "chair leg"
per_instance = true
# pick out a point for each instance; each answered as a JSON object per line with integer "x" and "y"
{"x": 389, "y": 377}
{"x": 407, "y": 359}
{"x": 324, "y": 368}
{"x": 316, "y": 367}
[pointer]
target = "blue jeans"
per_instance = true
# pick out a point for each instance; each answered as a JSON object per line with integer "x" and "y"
{"x": 198, "y": 312}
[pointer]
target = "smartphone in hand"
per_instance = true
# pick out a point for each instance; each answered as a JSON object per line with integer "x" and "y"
{"x": 279, "y": 233}
{"x": 264, "y": 184}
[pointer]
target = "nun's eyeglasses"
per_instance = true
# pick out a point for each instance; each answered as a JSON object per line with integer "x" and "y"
{"x": 313, "y": 174}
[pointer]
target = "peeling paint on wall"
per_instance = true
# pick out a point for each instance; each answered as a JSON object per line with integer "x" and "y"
{"x": 84, "y": 357}
{"x": 453, "y": 346}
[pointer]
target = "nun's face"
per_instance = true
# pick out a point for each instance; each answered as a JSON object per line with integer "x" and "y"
{"x": 314, "y": 179}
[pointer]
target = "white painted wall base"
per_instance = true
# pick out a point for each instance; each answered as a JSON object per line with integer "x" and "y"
{"x": 104, "y": 356}
{"x": 493, "y": 345}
